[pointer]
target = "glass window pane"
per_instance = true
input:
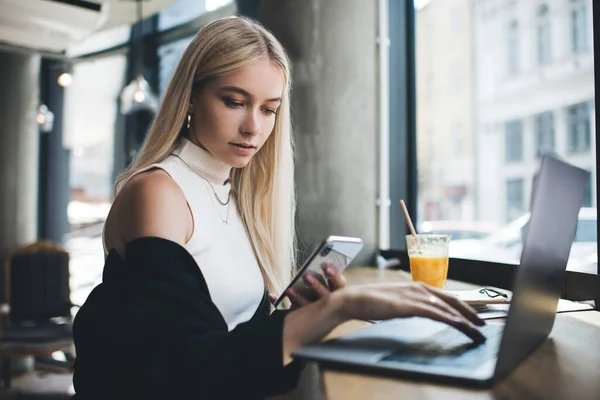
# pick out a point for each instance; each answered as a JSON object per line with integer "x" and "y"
{"x": 91, "y": 115}
{"x": 514, "y": 141}
{"x": 181, "y": 12}
{"x": 186, "y": 10}
{"x": 543, "y": 34}
{"x": 515, "y": 206}
{"x": 508, "y": 111}
{"x": 169, "y": 55}
{"x": 579, "y": 25}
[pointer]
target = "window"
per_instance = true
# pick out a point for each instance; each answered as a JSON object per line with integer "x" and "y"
{"x": 579, "y": 128}
{"x": 180, "y": 12}
{"x": 543, "y": 35}
{"x": 169, "y": 55}
{"x": 515, "y": 203}
{"x": 544, "y": 132}
{"x": 489, "y": 136}
{"x": 579, "y": 26}
{"x": 587, "y": 195}
{"x": 91, "y": 120}
{"x": 514, "y": 141}
{"x": 513, "y": 48}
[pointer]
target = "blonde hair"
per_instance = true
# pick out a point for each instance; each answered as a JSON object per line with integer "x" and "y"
{"x": 263, "y": 189}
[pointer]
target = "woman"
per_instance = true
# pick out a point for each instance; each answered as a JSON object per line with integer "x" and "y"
{"x": 201, "y": 225}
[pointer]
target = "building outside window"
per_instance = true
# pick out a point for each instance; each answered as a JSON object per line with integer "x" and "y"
{"x": 513, "y": 48}
{"x": 544, "y": 133}
{"x": 544, "y": 35}
{"x": 508, "y": 109}
{"x": 579, "y": 26}
{"x": 588, "y": 198}
{"x": 579, "y": 128}
{"x": 514, "y": 142}
{"x": 515, "y": 200}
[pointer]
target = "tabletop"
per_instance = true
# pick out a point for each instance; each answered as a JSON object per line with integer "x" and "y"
{"x": 566, "y": 366}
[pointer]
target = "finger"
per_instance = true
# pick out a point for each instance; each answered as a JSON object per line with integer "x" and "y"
{"x": 459, "y": 305}
{"x": 460, "y": 323}
{"x": 272, "y": 298}
{"x": 335, "y": 278}
{"x": 317, "y": 287}
{"x": 437, "y": 302}
{"x": 296, "y": 299}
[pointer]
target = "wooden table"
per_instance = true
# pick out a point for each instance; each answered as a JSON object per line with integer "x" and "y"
{"x": 567, "y": 366}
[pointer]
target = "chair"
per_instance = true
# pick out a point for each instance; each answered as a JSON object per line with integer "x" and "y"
{"x": 37, "y": 319}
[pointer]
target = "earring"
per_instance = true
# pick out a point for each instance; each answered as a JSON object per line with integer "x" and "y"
{"x": 189, "y": 121}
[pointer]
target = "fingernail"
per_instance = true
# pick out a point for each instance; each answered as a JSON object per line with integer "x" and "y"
{"x": 272, "y": 298}
{"x": 291, "y": 293}
{"x": 329, "y": 271}
{"x": 479, "y": 337}
{"x": 309, "y": 279}
{"x": 481, "y": 322}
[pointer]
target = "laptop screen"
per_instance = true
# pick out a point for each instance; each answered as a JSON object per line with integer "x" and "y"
{"x": 556, "y": 200}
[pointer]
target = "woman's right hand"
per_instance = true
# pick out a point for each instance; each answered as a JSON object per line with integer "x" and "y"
{"x": 311, "y": 323}
{"x": 401, "y": 300}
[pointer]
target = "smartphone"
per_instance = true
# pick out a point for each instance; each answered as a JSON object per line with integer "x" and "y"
{"x": 337, "y": 251}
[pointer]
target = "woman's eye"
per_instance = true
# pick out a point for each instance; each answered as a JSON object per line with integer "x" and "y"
{"x": 232, "y": 103}
{"x": 270, "y": 111}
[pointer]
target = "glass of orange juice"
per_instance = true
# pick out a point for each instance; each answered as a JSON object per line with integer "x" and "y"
{"x": 428, "y": 256}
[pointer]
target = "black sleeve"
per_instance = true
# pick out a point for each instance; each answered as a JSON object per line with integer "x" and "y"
{"x": 142, "y": 337}
{"x": 243, "y": 363}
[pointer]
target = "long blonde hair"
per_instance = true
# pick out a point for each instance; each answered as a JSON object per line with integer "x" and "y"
{"x": 263, "y": 189}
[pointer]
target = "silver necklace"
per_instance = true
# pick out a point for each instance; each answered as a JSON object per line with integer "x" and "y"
{"x": 223, "y": 203}
{"x": 226, "y": 203}
{"x": 226, "y": 220}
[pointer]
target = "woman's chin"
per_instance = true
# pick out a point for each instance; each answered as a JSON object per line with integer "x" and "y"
{"x": 238, "y": 161}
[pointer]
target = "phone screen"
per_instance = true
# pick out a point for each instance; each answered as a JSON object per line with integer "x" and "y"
{"x": 336, "y": 251}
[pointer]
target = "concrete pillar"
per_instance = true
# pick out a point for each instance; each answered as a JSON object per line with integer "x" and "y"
{"x": 332, "y": 45}
{"x": 19, "y": 140}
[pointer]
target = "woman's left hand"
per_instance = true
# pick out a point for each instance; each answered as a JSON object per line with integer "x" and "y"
{"x": 335, "y": 281}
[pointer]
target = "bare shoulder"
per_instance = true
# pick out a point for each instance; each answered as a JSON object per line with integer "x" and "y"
{"x": 152, "y": 204}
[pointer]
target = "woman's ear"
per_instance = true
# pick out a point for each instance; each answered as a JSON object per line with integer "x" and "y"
{"x": 190, "y": 109}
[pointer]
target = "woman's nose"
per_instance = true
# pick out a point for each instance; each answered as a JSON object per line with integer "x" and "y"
{"x": 251, "y": 124}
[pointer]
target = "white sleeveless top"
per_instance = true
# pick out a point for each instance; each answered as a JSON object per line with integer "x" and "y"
{"x": 219, "y": 243}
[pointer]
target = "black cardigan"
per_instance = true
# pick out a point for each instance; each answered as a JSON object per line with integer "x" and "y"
{"x": 151, "y": 331}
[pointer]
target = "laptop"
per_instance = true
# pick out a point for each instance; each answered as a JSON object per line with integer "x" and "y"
{"x": 419, "y": 348}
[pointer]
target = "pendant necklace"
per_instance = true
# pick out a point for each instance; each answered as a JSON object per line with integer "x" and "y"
{"x": 206, "y": 181}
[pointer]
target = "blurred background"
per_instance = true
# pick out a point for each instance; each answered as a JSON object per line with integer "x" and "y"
{"x": 447, "y": 104}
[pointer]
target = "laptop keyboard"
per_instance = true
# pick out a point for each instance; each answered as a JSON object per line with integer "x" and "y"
{"x": 451, "y": 347}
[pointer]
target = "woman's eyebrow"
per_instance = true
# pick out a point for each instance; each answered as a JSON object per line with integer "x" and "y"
{"x": 243, "y": 92}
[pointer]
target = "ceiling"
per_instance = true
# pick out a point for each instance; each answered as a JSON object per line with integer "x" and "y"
{"x": 54, "y": 25}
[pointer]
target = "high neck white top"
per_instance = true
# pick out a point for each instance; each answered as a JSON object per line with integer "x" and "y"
{"x": 219, "y": 242}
